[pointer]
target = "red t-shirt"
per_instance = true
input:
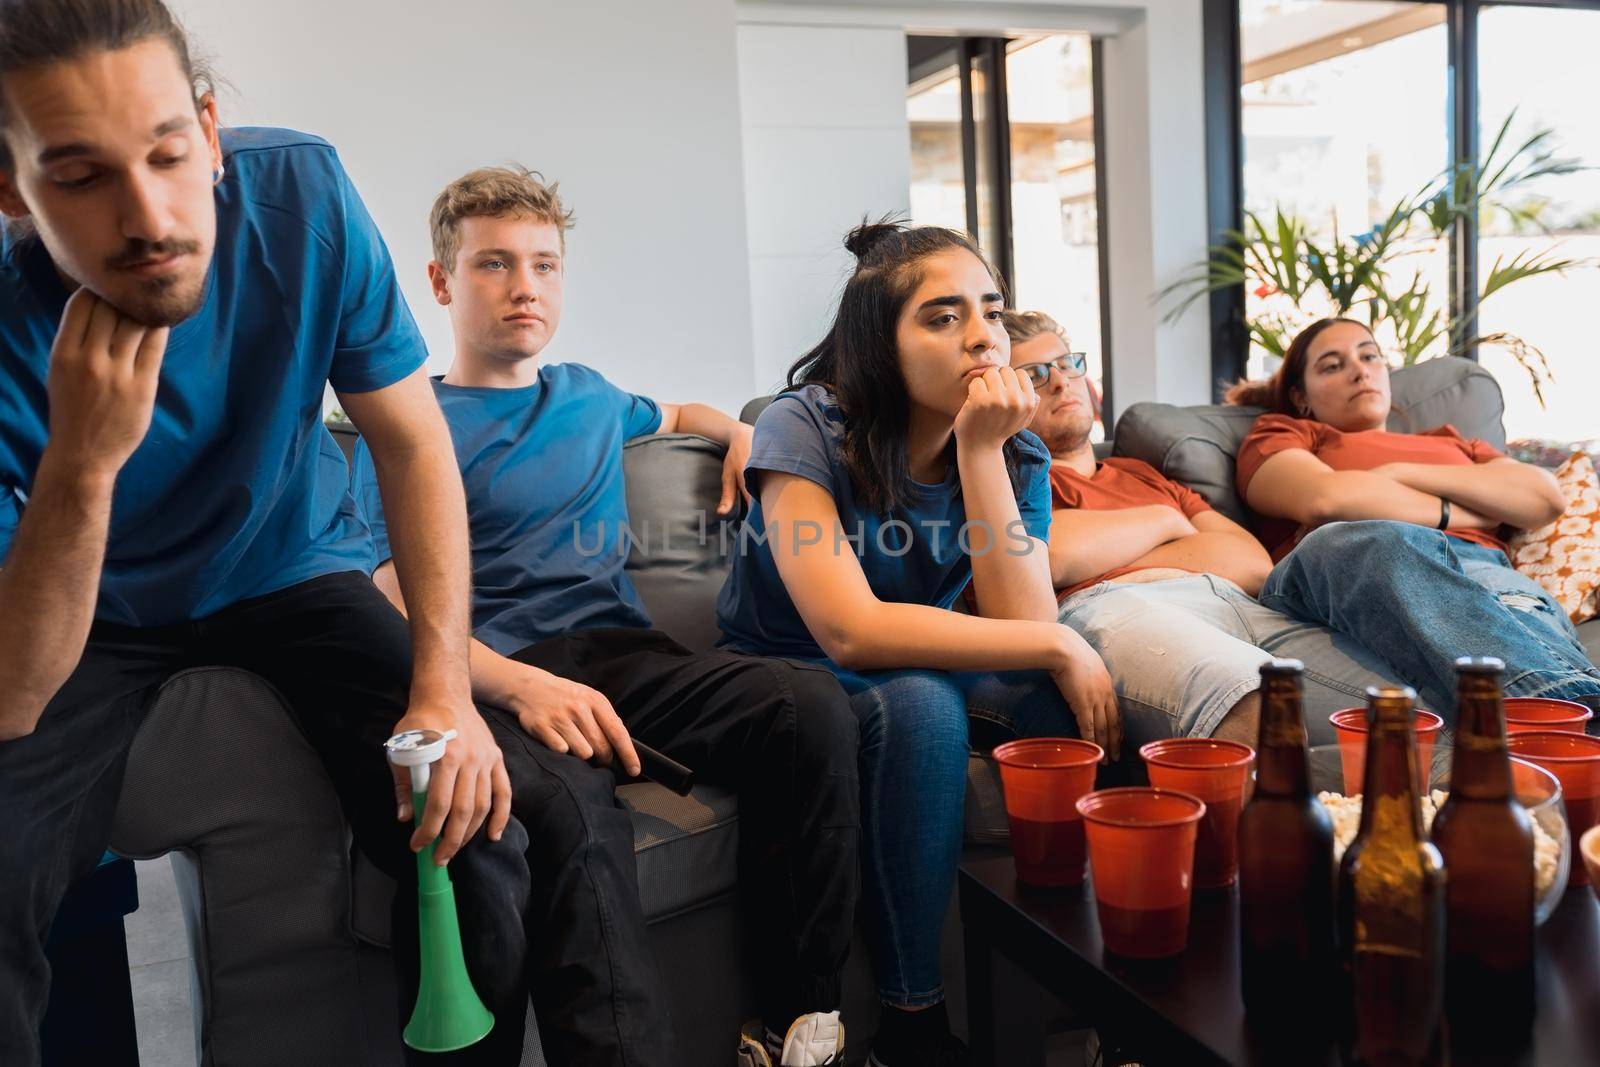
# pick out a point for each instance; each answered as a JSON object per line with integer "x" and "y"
{"x": 1119, "y": 483}
{"x": 1359, "y": 451}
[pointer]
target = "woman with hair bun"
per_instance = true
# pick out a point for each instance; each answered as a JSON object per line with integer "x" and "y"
{"x": 893, "y": 473}
{"x": 1396, "y": 539}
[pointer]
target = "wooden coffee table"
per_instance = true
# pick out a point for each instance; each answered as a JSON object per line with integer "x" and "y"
{"x": 1187, "y": 1011}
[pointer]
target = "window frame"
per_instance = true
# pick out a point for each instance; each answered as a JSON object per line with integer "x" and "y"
{"x": 966, "y": 53}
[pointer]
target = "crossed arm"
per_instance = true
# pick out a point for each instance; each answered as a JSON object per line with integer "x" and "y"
{"x": 1085, "y": 543}
{"x": 1296, "y": 485}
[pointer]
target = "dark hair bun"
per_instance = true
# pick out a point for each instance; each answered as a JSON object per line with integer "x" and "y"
{"x": 869, "y": 235}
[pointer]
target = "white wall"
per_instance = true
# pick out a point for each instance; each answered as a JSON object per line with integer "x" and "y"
{"x": 1155, "y": 170}
{"x": 707, "y": 254}
{"x": 632, "y": 104}
{"x": 1154, "y": 162}
{"x": 826, "y": 142}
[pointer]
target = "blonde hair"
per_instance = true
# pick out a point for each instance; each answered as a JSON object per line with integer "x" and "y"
{"x": 493, "y": 192}
{"x": 1026, "y": 325}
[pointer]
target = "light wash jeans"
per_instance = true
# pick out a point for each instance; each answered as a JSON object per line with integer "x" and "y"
{"x": 913, "y": 770}
{"x": 1183, "y": 651}
{"x": 1424, "y": 599}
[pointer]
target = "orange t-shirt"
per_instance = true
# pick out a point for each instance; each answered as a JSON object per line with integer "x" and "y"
{"x": 1359, "y": 451}
{"x": 1119, "y": 483}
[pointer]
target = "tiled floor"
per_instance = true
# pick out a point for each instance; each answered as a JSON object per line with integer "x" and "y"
{"x": 158, "y": 956}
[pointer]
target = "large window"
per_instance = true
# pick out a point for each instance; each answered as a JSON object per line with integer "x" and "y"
{"x": 938, "y": 167}
{"x": 1344, "y": 114}
{"x": 1540, "y": 64}
{"x": 1003, "y": 145}
{"x": 1347, "y": 106}
{"x": 1055, "y": 240}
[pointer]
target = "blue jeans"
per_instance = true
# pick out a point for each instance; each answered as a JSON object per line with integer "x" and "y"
{"x": 1421, "y": 599}
{"x": 913, "y": 770}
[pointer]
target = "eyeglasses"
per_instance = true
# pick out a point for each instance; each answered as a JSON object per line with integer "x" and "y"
{"x": 1070, "y": 364}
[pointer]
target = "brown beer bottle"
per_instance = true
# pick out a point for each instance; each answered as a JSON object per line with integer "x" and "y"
{"x": 1286, "y": 915}
{"x": 1486, "y": 841}
{"x": 1391, "y": 898}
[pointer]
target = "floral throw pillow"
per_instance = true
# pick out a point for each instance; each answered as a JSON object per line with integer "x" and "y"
{"x": 1564, "y": 557}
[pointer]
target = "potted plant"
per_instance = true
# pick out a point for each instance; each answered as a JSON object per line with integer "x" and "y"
{"x": 1296, "y": 277}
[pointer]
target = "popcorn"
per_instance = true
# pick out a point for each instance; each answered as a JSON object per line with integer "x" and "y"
{"x": 1346, "y": 815}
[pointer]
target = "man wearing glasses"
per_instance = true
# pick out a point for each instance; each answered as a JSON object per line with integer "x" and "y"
{"x": 1159, "y": 583}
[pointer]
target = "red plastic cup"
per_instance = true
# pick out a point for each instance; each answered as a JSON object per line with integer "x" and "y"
{"x": 1141, "y": 847}
{"x": 1351, "y": 727}
{"x": 1042, "y": 778}
{"x": 1575, "y": 759}
{"x": 1543, "y": 713}
{"x": 1218, "y": 772}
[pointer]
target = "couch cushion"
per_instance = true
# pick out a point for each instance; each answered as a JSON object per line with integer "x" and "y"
{"x": 677, "y": 563}
{"x": 753, "y": 409}
{"x": 1192, "y": 445}
{"x": 219, "y": 775}
{"x": 1197, "y": 445}
{"x": 687, "y": 848}
{"x": 1564, "y": 555}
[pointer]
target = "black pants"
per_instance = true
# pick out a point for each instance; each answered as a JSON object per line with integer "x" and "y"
{"x": 340, "y": 655}
{"x": 780, "y": 733}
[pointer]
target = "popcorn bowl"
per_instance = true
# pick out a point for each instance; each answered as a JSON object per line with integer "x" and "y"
{"x": 1537, "y": 789}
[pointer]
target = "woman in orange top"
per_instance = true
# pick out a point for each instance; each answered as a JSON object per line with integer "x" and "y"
{"x": 1394, "y": 538}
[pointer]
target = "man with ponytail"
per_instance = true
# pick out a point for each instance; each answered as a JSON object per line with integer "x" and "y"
{"x": 174, "y": 299}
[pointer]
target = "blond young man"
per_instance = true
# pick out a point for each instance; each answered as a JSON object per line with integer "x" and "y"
{"x": 1158, "y": 582}
{"x": 565, "y": 653}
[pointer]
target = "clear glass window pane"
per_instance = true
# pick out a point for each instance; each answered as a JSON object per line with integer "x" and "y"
{"x": 1539, "y": 62}
{"x": 1345, "y": 113}
{"x": 938, "y": 177}
{"x": 1055, "y": 234}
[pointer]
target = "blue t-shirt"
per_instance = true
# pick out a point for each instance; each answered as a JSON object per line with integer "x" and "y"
{"x": 916, "y": 556}
{"x": 546, "y": 503}
{"x": 237, "y": 490}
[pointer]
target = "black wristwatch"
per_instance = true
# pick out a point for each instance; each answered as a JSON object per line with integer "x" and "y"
{"x": 1444, "y": 513}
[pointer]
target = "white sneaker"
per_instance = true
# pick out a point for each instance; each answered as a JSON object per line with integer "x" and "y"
{"x": 813, "y": 1040}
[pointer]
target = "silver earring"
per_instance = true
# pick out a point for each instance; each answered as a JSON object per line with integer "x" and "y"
{"x": 216, "y": 175}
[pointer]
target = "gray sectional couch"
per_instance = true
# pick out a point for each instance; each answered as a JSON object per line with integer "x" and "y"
{"x": 287, "y": 932}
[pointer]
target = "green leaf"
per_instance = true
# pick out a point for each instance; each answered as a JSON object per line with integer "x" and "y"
{"x": 1528, "y": 357}
{"x": 1528, "y": 263}
{"x": 1277, "y": 250}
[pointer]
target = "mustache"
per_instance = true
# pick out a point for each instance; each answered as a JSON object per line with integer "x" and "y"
{"x": 139, "y": 251}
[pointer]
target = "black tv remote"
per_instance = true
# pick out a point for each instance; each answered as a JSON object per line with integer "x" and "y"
{"x": 664, "y": 770}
